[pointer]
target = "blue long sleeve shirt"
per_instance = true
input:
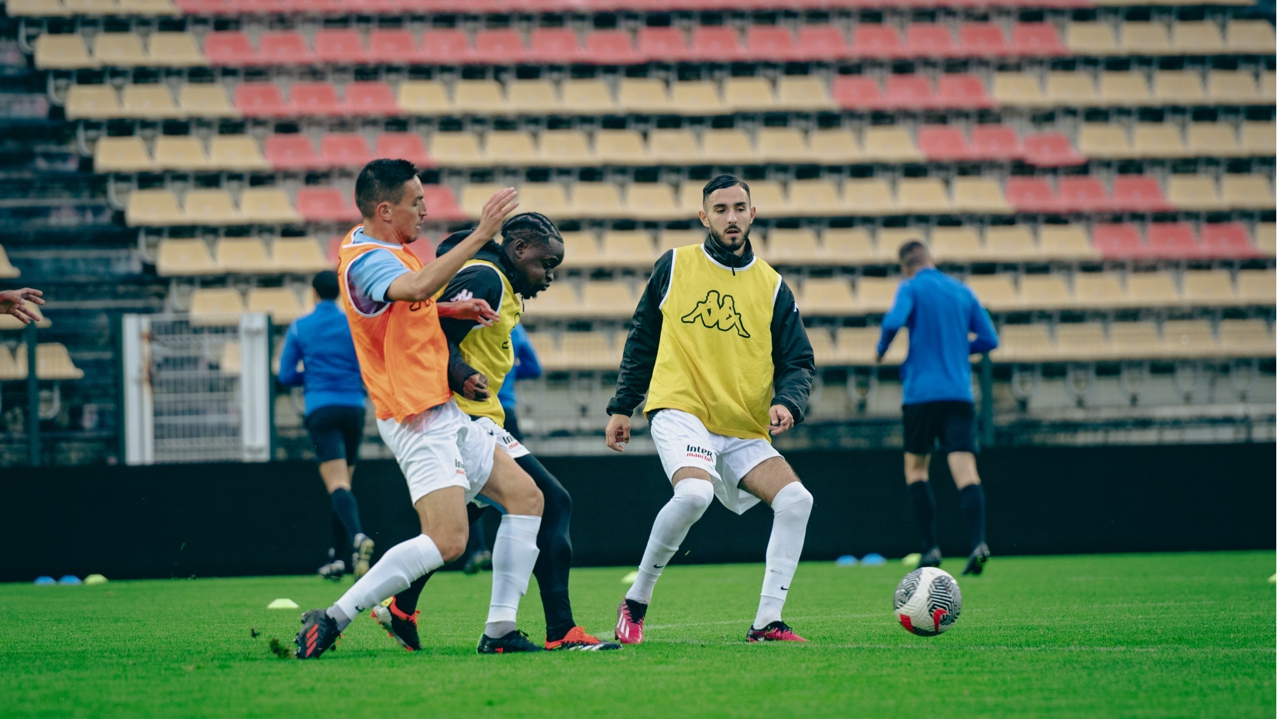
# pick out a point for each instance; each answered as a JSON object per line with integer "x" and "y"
{"x": 527, "y": 366}
{"x": 939, "y": 312}
{"x": 331, "y": 372}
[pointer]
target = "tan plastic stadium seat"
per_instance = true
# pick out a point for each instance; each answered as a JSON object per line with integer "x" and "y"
{"x": 824, "y": 348}
{"x": 149, "y": 102}
{"x": 1239, "y": 87}
{"x": 121, "y": 154}
{"x": 205, "y": 100}
{"x": 834, "y": 147}
{"x": 299, "y": 254}
{"x": 723, "y": 146}
{"x": 581, "y": 250}
{"x": 1264, "y": 238}
{"x": 1013, "y": 243}
{"x": 153, "y": 208}
{"x": 587, "y": 97}
{"x": 174, "y": 49}
{"x": 1044, "y": 292}
{"x": 979, "y": 195}
{"x": 1258, "y": 138}
{"x": 1069, "y": 89}
{"x": 750, "y": 94}
{"x": 1017, "y": 89}
{"x": 459, "y": 149}
{"x": 850, "y": 246}
{"x": 1136, "y": 340}
{"x": 995, "y": 292}
{"x": 620, "y": 147}
{"x": 1251, "y": 36}
{"x": 424, "y": 97}
{"x": 510, "y": 147}
{"x": 800, "y": 93}
{"x": 281, "y": 303}
{"x": 184, "y": 257}
{"x": 221, "y": 306}
{"x": 1151, "y": 289}
{"x": 559, "y": 300}
{"x": 479, "y": 97}
{"x": 643, "y": 97}
{"x": 52, "y": 362}
{"x": 245, "y": 256}
{"x": 148, "y": 7}
{"x": 1197, "y": 38}
{"x": 1215, "y": 139}
{"x": 93, "y": 102}
{"x": 587, "y": 351}
{"x": 532, "y": 97}
{"x": 956, "y": 244}
{"x": 1104, "y": 140}
{"x": 1025, "y": 343}
{"x": 856, "y": 346}
{"x": 36, "y": 8}
{"x": 875, "y": 294}
{"x": 1100, "y": 290}
{"x": 1247, "y": 192}
{"x": 600, "y": 200}
{"x": 8, "y": 366}
{"x": 868, "y": 196}
{"x": 607, "y": 300}
{"x": 889, "y": 144}
{"x": 1257, "y": 287}
{"x": 474, "y": 195}
{"x": 923, "y": 196}
{"x": 627, "y": 248}
{"x": 62, "y": 52}
{"x": 671, "y": 239}
{"x": 119, "y": 49}
{"x": 794, "y": 248}
{"x": 549, "y": 198}
{"x": 548, "y": 351}
{"x": 1194, "y": 192}
{"x": 826, "y": 297}
{"x": 673, "y": 147}
{"x": 7, "y": 270}
{"x": 697, "y": 98}
{"x": 1091, "y": 38}
{"x": 1189, "y": 339}
{"x": 1152, "y": 139}
{"x": 767, "y": 196}
{"x": 890, "y": 239}
{"x": 236, "y": 152}
{"x": 1119, "y": 89}
{"x": 181, "y": 153}
{"x": 1084, "y": 341}
{"x": 1268, "y": 86}
{"x": 268, "y": 205}
{"x": 652, "y": 201}
{"x": 210, "y": 207}
{"x": 1179, "y": 87}
{"x": 784, "y": 145}
{"x": 1144, "y": 38}
{"x": 1245, "y": 338}
{"x": 1208, "y": 288}
{"x": 1066, "y": 243}
{"x": 92, "y": 7}
{"x": 812, "y": 198}
{"x": 564, "y": 148}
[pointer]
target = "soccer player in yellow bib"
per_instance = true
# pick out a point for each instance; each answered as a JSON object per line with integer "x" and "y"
{"x": 717, "y": 342}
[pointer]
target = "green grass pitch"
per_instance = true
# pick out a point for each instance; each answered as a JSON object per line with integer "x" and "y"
{"x": 1172, "y": 635}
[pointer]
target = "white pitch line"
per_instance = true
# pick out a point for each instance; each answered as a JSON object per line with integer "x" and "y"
{"x": 1263, "y": 650}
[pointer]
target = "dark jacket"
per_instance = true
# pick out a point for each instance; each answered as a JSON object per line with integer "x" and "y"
{"x": 793, "y": 366}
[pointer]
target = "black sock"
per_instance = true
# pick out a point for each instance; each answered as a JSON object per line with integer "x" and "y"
{"x": 974, "y": 503}
{"x": 637, "y": 609}
{"x": 344, "y": 505}
{"x": 555, "y": 549}
{"x": 407, "y": 601}
{"x": 476, "y": 541}
{"x": 555, "y": 605}
{"x": 340, "y": 539}
{"x": 922, "y": 500}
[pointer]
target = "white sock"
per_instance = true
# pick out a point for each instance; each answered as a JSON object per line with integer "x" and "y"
{"x": 791, "y": 509}
{"x": 691, "y": 499}
{"x": 392, "y": 574}
{"x": 514, "y": 552}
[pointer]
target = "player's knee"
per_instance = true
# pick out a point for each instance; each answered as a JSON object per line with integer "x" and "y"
{"x": 451, "y": 544}
{"x": 696, "y": 494}
{"x": 526, "y": 499}
{"x": 794, "y": 498}
{"x": 556, "y": 503}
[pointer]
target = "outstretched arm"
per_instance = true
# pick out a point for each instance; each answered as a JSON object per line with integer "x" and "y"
{"x": 289, "y": 375}
{"x": 903, "y": 303}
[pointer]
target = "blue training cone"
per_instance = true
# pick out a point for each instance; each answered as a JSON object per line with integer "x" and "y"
{"x": 873, "y": 560}
{"x": 44, "y": 582}
{"x": 70, "y": 580}
{"x": 846, "y": 560}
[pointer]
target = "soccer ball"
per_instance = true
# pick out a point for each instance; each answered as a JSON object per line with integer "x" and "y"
{"x": 927, "y": 601}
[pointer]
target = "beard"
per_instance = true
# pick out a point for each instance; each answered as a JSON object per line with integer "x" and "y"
{"x": 731, "y": 244}
{"x": 524, "y": 288}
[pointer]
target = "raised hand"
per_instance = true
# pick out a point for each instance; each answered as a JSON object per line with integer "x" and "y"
{"x": 12, "y": 302}
{"x": 495, "y": 211}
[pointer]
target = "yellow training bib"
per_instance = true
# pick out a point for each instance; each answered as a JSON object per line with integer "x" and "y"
{"x": 715, "y": 353}
{"x": 488, "y": 349}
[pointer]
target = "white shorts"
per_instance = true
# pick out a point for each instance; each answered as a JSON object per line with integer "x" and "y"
{"x": 501, "y": 436}
{"x": 440, "y": 448}
{"x": 683, "y": 441}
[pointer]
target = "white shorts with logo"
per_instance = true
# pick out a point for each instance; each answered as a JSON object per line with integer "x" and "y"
{"x": 683, "y": 441}
{"x": 440, "y": 448}
{"x": 501, "y": 436}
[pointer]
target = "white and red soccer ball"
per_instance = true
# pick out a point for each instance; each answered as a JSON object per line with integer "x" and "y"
{"x": 927, "y": 601}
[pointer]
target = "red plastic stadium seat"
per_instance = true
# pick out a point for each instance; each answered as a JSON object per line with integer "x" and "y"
{"x": 371, "y": 98}
{"x": 404, "y": 146}
{"x": 820, "y": 42}
{"x": 994, "y": 142}
{"x": 1030, "y": 194}
{"x": 1173, "y": 240}
{"x": 908, "y": 92}
{"x": 441, "y": 203}
{"x": 856, "y": 92}
{"x": 929, "y": 40}
{"x": 770, "y": 42}
{"x": 610, "y": 47}
{"x": 662, "y": 43}
{"x": 445, "y": 47}
{"x": 1119, "y": 242}
{"x": 345, "y": 149}
{"x": 284, "y": 48}
{"x": 876, "y": 41}
{"x": 260, "y": 99}
{"x": 1050, "y": 149}
{"x": 394, "y": 47}
{"x": 716, "y": 44}
{"x": 966, "y": 91}
{"x": 1036, "y": 38}
{"x": 943, "y": 143}
{"x": 1082, "y": 194}
{"x": 326, "y": 204}
{"x": 982, "y": 39}
{"x": 1229, "y": 240}
{"x": 314, "y": 98}
{"x": 1138, "y": 193}
{"x": 341, "y": 47}
{"x": 229, "y": 48}
{"x": 500, "y": 47}
{"x": 554, "y": 46}
{"x": 291, "y": 152}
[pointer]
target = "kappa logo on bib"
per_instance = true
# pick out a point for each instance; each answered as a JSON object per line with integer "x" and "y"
{"x": 717, "y": 312}
{"x": 699, "y": 453}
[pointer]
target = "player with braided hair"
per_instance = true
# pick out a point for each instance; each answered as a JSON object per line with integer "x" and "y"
{"x": 503, "y": 275}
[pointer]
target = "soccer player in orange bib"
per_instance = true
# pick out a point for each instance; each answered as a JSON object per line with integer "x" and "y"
{"x": 404, "y": 358}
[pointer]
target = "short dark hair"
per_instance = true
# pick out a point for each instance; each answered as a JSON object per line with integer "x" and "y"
{"x": 382, "y": 181}
{"x": 532, "y": 227}
{"x": 326, "y": 284}
{"x": 912, "y": 253}
{"x": 720, "y": 182}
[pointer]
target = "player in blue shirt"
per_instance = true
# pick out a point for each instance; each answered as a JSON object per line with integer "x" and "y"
{"x": 335, "y": 415}
{"x": 939, "y": 312}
